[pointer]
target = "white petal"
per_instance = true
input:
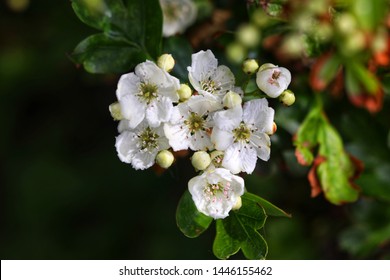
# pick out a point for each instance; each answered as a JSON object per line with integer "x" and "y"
{"x": 224, "y": 78}
{"x": 159, "y": 111}
{"x": 123, "y": 125}
{"x": 262, "y": 143}
{"x": 248, "y": 158}
{"x": 143, "y": 159}
{"x": 126, "y": 146}
{"x": 256, "y": 113}
{"x": 177, "y": 135}
{"x": 128, "y": 84}
{"x": 132, "y": 109}
{"x": 228, "y": 119}
{"x": 273, "y": 87}
{"x": 169, "y": 88}
{"x": 200, "y": 141}
{"x": 240, "y": 158}
{"x": 203, "y": 65}
{"x": 231, "y": 159}
{"x": 221, "y": 139}
{"x": 149, "y": 72}
{"x": 204, "y": 104}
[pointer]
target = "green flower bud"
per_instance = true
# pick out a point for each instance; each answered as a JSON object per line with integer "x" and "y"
{"x": 184, "y": 92}
{"x": 236, "y": 52}
{"x": 266, "y": 66}
{"x": 248, "y": 35}
{"x": 166, "y": 62}
{"x": 354, "y": 43}
{"x": 238, "y": 204}
{"x": 287, "y": 97}
{"x": 200, "y": 160}
{"x": 115, "y": 110}
{"x": 250, "y": 66}
{"x": 260, "y": 18}
{"x": 231, "y": 99}
{"x": 346, "y": 23}
{"x": 165, "y": 158}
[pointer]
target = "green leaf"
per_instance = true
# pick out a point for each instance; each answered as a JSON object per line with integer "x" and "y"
{"x": 224, "y": 244}
{"x": 239, "y": 230}
{"x": 307, "y": 136}
{"x": 132, "y": 33}
{"x": 359, "y": 79}
{"x": 269, "y": 208}
{"x": 181, "y": 51}
{"x": 144, "y": 25}
{"x": 330, "y": 69}
{"x": 189, "y": 220}
{"x": 102, "y": 54}
{"x": 337, "y": 169}
{"x": 334, "y": 170}
{"x": 105, "y": 15}
{"x": 370, "y": 13}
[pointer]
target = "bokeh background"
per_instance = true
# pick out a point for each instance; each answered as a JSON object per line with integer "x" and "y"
{"x": 64, "y": 194}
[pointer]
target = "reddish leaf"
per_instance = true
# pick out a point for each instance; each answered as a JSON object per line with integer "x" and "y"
{"x": 372, "y": 102}
{"x": 323, "y": 71}
{"x": 313, "y": 178}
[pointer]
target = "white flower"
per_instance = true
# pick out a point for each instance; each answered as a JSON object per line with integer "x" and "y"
{"x": 243, "y": 135}
{"x": 210, "y": 80}
{"x": 273, "y": 80}
{"x": 147, "y": 93}
{"x": 216, "y": 191}
{"x": 178, "y": 15}
{"x": 189, "y": 128}
{"x": 140, "y": 146}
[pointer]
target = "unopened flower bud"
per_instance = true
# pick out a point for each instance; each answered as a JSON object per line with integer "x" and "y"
{"x": 273, "y": 80}
{"x": 274, "y": 129}
{"x": 260, "y": 18}
{"x": 216, "y": 158}
{"x": 236, "y": 52}
{"x": 354, "y": 43}
{"x": 184, "y": 92}
{"x": 200, "y": 160}
{"x": 250, "y": 66}
{"x": 266, "y": 66}
{"x": 165, "y": 158}
{"x": 287, "y": 97}
{"x": 238, "y": 204}
{"x": 248, "y": 35}
{"x": 166, "y": 62}
{"x": 346, "y": 23}
{"x": 115, "y": 110}
{"x": 231, "y": 99}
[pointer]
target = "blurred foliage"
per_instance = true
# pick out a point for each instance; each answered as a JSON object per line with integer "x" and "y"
{"x": 65, "y": 195}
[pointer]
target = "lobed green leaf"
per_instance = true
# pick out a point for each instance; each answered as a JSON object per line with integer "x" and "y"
{"x": 269, "y": 208}
{"x": 239, "y": 230}
{"x": 189, "y": 220}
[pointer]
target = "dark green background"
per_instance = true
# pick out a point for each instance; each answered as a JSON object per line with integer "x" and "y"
{"x": 65, "y": 194}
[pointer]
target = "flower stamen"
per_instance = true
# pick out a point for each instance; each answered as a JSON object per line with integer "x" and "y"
{"x": 210, "y": 85}
{"x": 148, "y": 92}
{"x": 148, "y": 140}
{"x": 242, "y": 133}
{"x": 195, "y": 122}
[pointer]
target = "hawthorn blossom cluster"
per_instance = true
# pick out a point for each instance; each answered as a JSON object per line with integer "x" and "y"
{"x": 159, "y": 116}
